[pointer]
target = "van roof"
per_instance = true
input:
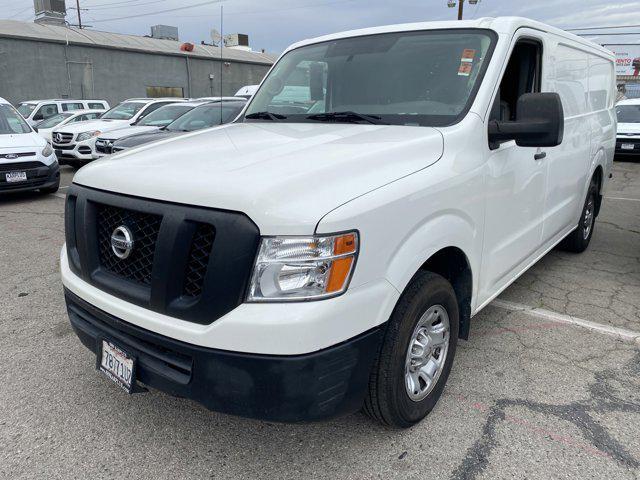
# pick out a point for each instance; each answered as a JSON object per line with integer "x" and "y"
{"x": 500, "y": 25}
{"x": 63, "y": 100}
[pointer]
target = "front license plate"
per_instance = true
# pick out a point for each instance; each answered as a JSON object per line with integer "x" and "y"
{"x": 117, "y": 365}
{"x": 13, "y": 177}
{"x": 627, "y": 146}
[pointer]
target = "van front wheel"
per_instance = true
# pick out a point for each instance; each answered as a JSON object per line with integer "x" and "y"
{"x": 417, "y": 353}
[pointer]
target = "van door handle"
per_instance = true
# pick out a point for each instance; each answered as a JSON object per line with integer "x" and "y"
{"x": 540, "y": 156}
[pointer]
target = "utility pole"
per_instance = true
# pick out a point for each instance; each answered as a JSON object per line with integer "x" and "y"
{"x": 460, "y": 9}
{"x": 80, "y": 15}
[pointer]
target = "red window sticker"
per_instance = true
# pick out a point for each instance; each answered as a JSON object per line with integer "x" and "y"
{"x": 465, "y": 69}
{"x": 468, "y": 55}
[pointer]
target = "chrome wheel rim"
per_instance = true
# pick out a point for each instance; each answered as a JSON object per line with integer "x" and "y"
{"x": 427, "y": 353}
{"x": 589, "y": 216}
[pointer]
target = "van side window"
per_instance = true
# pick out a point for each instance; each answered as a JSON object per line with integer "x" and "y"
{"x": 523, "y": 75}
{"x": 96, "y": 106}
{"x": 46, "y": 111}
{"x": 69, "y": 107}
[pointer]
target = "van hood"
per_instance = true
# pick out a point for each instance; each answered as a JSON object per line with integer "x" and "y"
{"x": 285, "y": 177}
{"x": 631, "y": 129}
{"x": 91, "y": 125}
{"x": 31, "y": 140}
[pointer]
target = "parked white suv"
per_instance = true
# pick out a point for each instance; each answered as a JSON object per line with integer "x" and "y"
{"x": 35, "y": 111}
{"x": 315, "y": 257}
{"x": 46, "y": 127}
{"x": 75, "y": 144}
{"x": 27, "y": 161}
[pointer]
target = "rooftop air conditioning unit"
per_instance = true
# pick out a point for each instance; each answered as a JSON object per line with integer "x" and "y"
{"x": 50, "y": 12}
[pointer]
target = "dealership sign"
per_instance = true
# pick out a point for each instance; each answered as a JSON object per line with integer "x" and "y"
{"x": 627, "y": 59}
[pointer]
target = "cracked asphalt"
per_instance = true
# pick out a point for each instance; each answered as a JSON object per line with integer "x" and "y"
{"x": 528, "y": 397}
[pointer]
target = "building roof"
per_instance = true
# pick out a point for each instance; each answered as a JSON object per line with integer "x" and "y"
{"x": 95, "y": 38}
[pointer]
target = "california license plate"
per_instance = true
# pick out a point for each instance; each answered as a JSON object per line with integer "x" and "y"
{"x": 627, "y": 146}
{"x": 117, "y": 365}
{"x": 12, "y": 177}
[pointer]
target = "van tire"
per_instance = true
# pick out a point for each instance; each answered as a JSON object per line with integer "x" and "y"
{"x": 388, "y": 399}
{"x": 578, "y": 240}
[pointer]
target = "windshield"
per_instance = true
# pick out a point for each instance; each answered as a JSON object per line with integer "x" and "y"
{"x": 11, "y": 122}
{"x": 164, "y": 115}
{"x": 426, "y": 78}
{"x": 206, "y": 116}
{"x": 628, "y": 113}
{"x": 25, "y": 109}
{"x": 124, "y": 111}
{"x": 53, "y": 121}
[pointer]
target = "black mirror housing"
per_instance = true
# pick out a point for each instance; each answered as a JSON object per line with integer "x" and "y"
{"x": 539, "y": 123}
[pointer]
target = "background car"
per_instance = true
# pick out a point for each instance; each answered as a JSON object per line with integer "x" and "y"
{"x": 628, "y": 135}
{"x": 75, "y": 144}
{"x": 27, "y": 161}
{"x": 35, "y": 111}
{"x": 205, "y": 116}
{"x": 46, "y": 127}
{"x": 162, "y": 117}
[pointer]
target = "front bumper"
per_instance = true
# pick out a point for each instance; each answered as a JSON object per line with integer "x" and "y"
{"x": 635, "y": 141}
{"x": 44, "y": 176}
{"x": 76, "y": 153}
{"x": 315, "y": 386}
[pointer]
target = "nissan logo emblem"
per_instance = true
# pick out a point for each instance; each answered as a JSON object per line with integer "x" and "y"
{"x": 122, "y": 242}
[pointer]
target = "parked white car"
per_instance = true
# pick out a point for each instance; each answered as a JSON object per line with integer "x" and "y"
{"x": 75, "y": 145}
{"x": 157, "y": 120}
{"x": 27, "y": 161}
{"x": 628, "y": 133}
{"x": 247, "y": 91}
{"x": 45, "y": 128}
{"x": 296, "y": 266}
{"x": 35, "y": 111}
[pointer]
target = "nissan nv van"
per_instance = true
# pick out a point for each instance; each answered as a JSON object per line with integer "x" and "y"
{"x": 325, "y": 252}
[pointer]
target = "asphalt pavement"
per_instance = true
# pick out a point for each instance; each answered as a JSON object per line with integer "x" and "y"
{"x": 548, "y": 387}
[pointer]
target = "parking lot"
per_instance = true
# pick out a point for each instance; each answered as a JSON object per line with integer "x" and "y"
{"x": 547, "y": 387}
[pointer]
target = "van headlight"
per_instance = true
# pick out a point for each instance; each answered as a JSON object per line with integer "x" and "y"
{"x": 87, "y": 135}
{"x": 47, "y": 151}
{"x": 303, "y": 268}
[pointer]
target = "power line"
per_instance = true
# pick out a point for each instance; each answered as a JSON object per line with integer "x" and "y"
{"x": 169, "y": 10}
{"x": 281, "y": 9}
{"x": 600, "y": 28}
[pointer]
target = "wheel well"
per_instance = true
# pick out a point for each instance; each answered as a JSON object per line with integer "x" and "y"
{"x": 598, "y": 175}
{"x": 452, "y": 264}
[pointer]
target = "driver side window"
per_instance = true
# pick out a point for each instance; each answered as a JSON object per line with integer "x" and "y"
{"x": 46, "y": 111}
{"x": 523, "y": 75}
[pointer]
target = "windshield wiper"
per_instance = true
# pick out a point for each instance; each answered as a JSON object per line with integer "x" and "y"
{"x": 346, "y": 117}
{"x": 265, "y": 116}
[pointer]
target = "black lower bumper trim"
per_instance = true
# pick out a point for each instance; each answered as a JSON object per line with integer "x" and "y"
{"x": 42, "y": 177}
{"x": 297, "y": 388}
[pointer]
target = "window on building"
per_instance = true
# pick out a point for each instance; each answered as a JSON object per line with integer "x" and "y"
{"x": 160, "y": 92}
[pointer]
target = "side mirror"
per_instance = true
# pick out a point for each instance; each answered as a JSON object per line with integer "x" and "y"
{"x": 316, "y": 81}
{"x": 539, "y": 123}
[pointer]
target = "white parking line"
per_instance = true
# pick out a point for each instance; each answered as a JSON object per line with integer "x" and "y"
{"x": 625, "y": 199}
{"x": 621, "y": 333}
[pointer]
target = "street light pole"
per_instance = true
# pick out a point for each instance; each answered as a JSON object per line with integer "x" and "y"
{"x": 79, "y": 14}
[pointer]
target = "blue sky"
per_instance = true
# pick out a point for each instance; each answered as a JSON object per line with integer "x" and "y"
{"x": 274, "y": 24}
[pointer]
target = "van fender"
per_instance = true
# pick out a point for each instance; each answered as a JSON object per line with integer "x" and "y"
{"x": 445, "y": 229}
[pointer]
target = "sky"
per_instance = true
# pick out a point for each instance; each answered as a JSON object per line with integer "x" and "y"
{"x": 274, "y": 24}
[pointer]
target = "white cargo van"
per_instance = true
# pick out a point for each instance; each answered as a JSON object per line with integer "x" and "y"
{"x": 35, "y": 111}
{"x": 325, "y": 253}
